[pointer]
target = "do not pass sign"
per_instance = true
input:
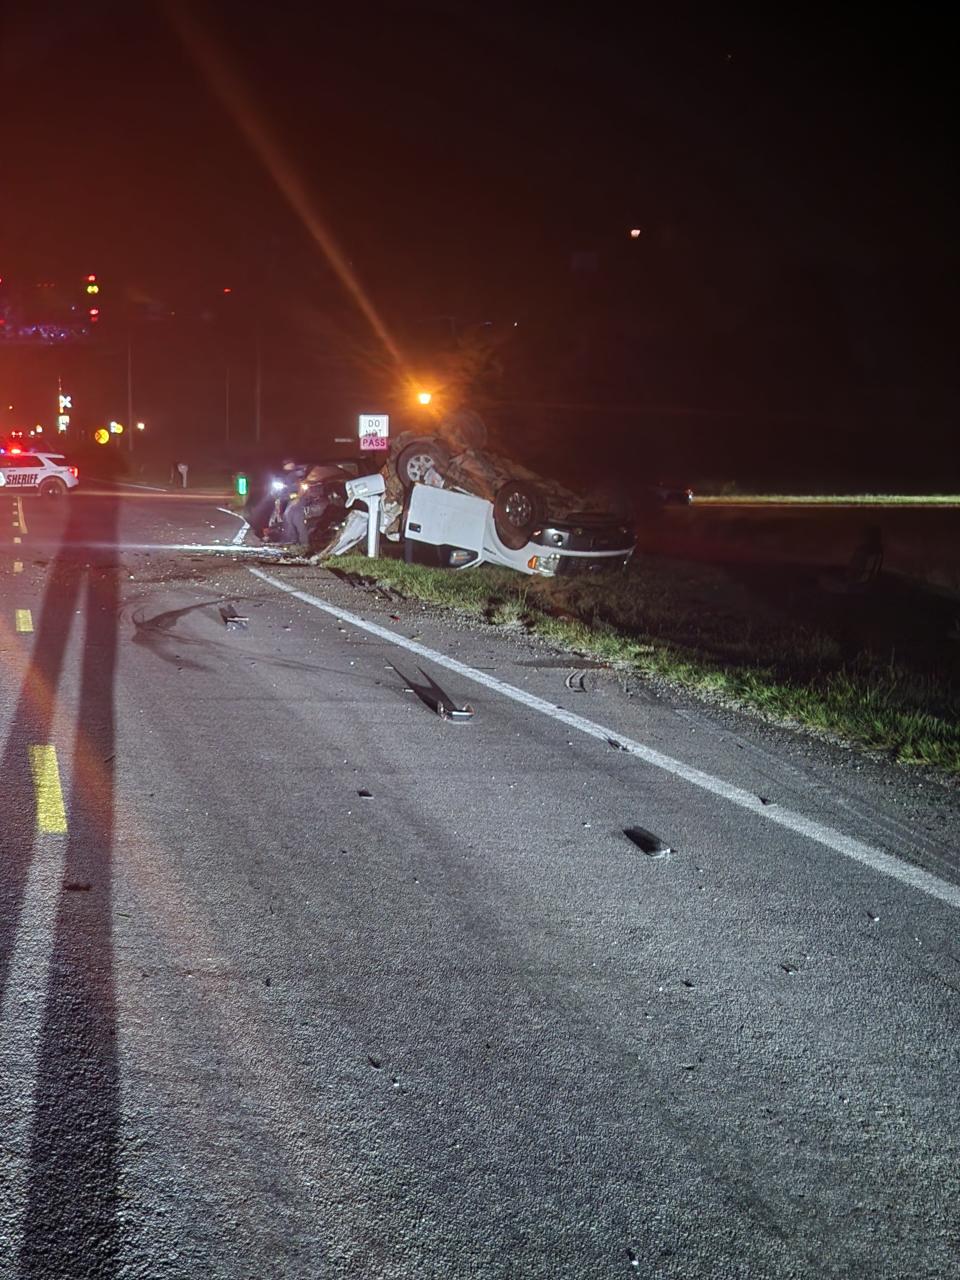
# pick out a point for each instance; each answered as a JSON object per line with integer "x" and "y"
{"x": 374, "y": 431}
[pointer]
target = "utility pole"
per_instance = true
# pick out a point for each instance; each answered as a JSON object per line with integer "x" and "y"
{"x": 258, "y": 387}
{"x": 130, "y": 387}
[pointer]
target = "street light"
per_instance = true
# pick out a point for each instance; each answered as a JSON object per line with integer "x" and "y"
{"x": 141, "y": 426}
{"x": 424, "y": 397}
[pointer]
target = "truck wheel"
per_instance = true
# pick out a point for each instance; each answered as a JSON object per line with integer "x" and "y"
{"x": 517, "y": 511}
{"x": 53, "y": 488}
{"x": 418, "y": 457}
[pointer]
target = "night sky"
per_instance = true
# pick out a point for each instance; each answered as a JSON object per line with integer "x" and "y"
{"x": 480, "y": 166}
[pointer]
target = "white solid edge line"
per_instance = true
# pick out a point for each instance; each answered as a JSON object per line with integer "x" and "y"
{"x": 241, "y": 533}
{"x": 829, "y": 837}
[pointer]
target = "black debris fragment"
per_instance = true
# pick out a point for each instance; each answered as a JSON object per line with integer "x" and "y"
{"x": 787, "y": 967}
{"x": 364, "y": 794}
{"x": 647, "y": 842}
{"x": 617, "y": 746}
{"x": 77, "y": 886}
{"x": 374, "y": 1062}
{"x": 437, "y": 699}
{"x": 575, "y": 682}
{"x": 764, "y": 800}
{"x": 447, "y": 712}
{"x": 232, "y": 620}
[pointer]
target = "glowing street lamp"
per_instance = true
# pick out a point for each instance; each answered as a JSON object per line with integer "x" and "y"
{"x": 141, "y": 426}
{"x": 424, "y": 397}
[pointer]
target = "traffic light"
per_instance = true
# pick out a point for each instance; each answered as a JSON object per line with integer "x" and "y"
{"x": 91, "y": 285}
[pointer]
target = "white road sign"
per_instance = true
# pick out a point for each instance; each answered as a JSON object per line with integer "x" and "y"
{"x": 374, "y": 431}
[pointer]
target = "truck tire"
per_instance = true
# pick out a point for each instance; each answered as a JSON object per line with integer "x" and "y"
{"x": 518, "y": 510}
{"x": 418, "y": 457}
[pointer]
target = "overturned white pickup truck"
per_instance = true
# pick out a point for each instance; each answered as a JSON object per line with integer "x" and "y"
{"x": 451, "y": 528}
{"x": 466, "y": 508}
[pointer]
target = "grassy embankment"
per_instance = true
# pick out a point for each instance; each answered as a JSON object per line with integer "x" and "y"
{"x": 792, "y": 653}
{"x": 831, "y": 500}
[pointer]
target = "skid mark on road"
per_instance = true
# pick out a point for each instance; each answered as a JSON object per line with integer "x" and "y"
{"x": 818, "y": 832}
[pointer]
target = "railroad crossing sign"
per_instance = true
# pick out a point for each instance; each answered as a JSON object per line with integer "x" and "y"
{"x": 374, "y": 431}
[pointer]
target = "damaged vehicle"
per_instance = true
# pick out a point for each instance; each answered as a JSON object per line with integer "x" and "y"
{"x": 455, "y": 504}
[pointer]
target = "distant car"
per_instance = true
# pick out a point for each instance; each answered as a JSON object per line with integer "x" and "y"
{"x": 48, "y": 474}
{"x": 671, "y": 494}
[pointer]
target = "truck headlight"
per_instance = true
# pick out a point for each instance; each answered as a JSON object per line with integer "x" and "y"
{"x": 547, "y": 565}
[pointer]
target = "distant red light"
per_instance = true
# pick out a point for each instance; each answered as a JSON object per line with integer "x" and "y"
{"x": 228, "y": 290}
{"x": 91, "y": 279}
{"x": 15, "y": 448}
{"x": 75, "y": 472}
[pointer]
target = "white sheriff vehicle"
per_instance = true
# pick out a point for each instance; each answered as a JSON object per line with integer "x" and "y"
{"x": 45, "y": 473}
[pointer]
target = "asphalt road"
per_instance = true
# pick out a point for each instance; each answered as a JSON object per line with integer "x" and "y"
{"x": 300, "y": 979}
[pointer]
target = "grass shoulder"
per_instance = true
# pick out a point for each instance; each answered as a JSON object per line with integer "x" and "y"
{"x": 854, "y": 669}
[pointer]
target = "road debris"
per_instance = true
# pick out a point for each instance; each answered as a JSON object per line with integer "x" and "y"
{"x": 575, "y": 682}
{"x": 364, "y": 794}
{"x": 436, "y": 698}
{"x": 232, "y": 620}
{"x": 647, "y": 842}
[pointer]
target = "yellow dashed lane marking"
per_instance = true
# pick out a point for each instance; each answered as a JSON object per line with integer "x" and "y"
{"x": 23, "y": 523}
{"x": 18, "y": 539}
{"x": 18, "y": 566}
{"x": 24, "y": 620}
{"x": 51, "y": 815}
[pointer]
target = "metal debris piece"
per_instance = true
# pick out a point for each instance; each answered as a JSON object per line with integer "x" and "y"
{"x": 617, "y": 746}
{"x": 437, "y": 699}
{"x": 647, "y": 842}
{"x": 787, "y": 967}
{"x": 447, "y": 712}
{"x": 364, "y": 794}
{"x": 575, "y": 681}
{"x": 764, "y": 800}
{"x": 232, "y": 620}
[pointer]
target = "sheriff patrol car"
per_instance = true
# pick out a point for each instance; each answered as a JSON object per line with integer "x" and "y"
{"x": 48, "y": 474}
